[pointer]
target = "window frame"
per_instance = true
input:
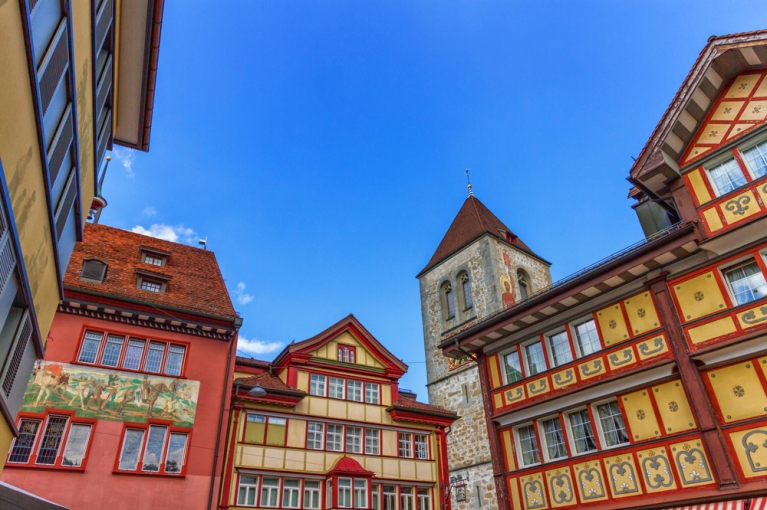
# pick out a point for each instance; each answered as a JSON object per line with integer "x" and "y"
{"x": 346, "y": 351}
{"x": 600, "y": 430}
{"x": 549, "y": 347}
{"x": 361, "y": 390}
{"x": 465, "y": 281}
{"x": 322, "y": 435}
{"x": 317, "y": 489}
{"x": 267, "y": 421}
{"x": 325, "y": 390}
{"x": 298, "y": 489}
{"x": 543, "y": 441}
{"x": 571, "y": 434}
{"x": 377, "y": 392}
{"x": 278, "y": 489}
{"x": 573, "y": 327}
{"x": 378, "y": 440}
{"x": 410, "y": 442}
{"x": 747, "y": 146}
{"x": 256, "y": 487}
{"x": 518, "y": 444}
{"x": 522, "y": 370}
{"x": 528, "y": 343}
{"x": 43, "y": 419}
{"x": 106, "y": 333}
{"x": 427, "y": 446}
{"x": 141, "y": 279}
{"x": 748, "y": 259}
{"x": 343, "y": 382}
{"x": 154, "y": 255}
{"x": 94, "y": 280}
{"x": 723, "y": 158}
{"x": 142, "y": 450}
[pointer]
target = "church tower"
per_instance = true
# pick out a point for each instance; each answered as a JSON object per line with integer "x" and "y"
{"x": 479, "y": 268}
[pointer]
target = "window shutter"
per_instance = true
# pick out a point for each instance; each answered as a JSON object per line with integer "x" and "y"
{"x": 7, "y": 255}
{"x": 54, "y": 66}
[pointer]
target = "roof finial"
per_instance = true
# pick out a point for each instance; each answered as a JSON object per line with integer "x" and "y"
{"x": 471, "y": 193}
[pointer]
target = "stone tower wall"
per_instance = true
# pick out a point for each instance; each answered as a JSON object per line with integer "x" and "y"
{"x": 459, "y": 389}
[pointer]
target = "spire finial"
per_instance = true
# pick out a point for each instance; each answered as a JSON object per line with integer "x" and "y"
{"x": 471, "y": 193}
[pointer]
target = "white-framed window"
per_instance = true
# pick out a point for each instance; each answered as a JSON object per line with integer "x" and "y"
{"x": 535, "y": 357}
{"x": 756, "y": 159}
{"x": 611, "y": 424}
{"x": 153, "y": 259}
{"x": 151, "y": 285}
{"x": 336, "y": 388}
{"x": 335, "y": 438}
{"x": 586, "y": 337}
{"x": 291, "y": 493}
{"x": 154, "y": 357}
{"x": 90, "y": 347}
{"x": 372, "y": 391}
{"x": 421, "y": 446}
{"x": 360, "y": 493}
{"x": 314, "y": 436}
{"x": 405, "y": 444}
{"x": 559, "y": 346}
{"x": 175, "y": 359}
{"x": 553, "y": 439}
{"x": 159, "y": 452}
{"x": 372, "y": 441}
{"x": 375, "y": 493}
{"x": 746, "y": 282}
{"x": 247, "y": 490}
{"x": 527, "y": 444}
{"x": 726, "y": 177}
{"x": 389, "y": 497}
{"x": 406, "y": 498}
{"x": 345, "y": 492}
{"x": 353, "y": 439}
{"x": 317, "y": 385}
{"x": 329, "y": 493}
{"x": 354, "y": 390}
{"x": 582, "y": 431}
{"x": 512, "y": 367}
{"x": 311, "y": 494}
{"x": 270, "y": 492}
{"x": 424, "y": 499}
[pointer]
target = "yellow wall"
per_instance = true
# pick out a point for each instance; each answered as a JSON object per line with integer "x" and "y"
{"x": 364, "y": 357}
{"x": 20, "y": 155}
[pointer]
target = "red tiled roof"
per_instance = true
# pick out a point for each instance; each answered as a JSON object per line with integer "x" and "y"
{"x": 195, "y": 285}
{"x": 348, "y": 465}
{"x": 268, "y": 382}
{"x": 473, "y": 220}
{"x": 413, "y": 405}
{"x": 252, "y": 362}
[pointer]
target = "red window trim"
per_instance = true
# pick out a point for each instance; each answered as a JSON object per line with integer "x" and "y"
{"x": 346, "y": 388}
{"x": 145, "y": 426}
{"x": 280, "y": 503}
{"x": 105, "y": 333}
{"x": 266, "y": 429}
{"x": 352, "y": 353}
{"x": 43, "y": 418}
{"x": 343, "y": 439}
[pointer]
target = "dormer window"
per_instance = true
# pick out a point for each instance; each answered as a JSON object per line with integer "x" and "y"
{"x": 152, "y": 282}
{"x": 93, "y": 271}
{"x": 154, "y": 257}
{"x": 347, "y": 354}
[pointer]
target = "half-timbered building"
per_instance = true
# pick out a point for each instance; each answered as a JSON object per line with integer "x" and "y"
{"x": 641, "y": 380}
{"x": 326, "y": 425}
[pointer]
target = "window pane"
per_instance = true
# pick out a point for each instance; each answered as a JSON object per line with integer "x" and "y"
{"x": 290, "y": 493}
{"x": 535, "y": 358}
{"x": 247, "y": 492}
{"x": 406, "y": 498}
{"x": 353, "y": 439}
{"x": 555, "y": 440}
{"x": 360, "y": 494}
{"x": 528, "y": 445}
{"x": 747, "y": 283}
{"x": 151, "y": 286}
{"x": 255, "y": 427}
{"x": 727, "y": 177}
{"x": 389, "y": 497}
{"x": 560, "y": 348}
{"x": 587, "y": 338}
{"x": 22, "y": 447}
{"x": 90, "y": 347}
{"x": 756, "y": 159}
{"x": 467, "y": 292}
{"x": 154, "y": 357}
{"x": 355, "y": 391}
{"x": 311, "y": 494}
{"x": 314, "y": 436}
{"x": 269, "y": 489}
{"x": 175, "y": 360}
{"x": 77, "y": 442}
{"x": 49, "y": 445}
{"x": 612, "y": 424}
{"x": 275, "y": 434}
{"x": 174, "y": 461}
{"x": 513, "y": 369}
{"x": 421, "y": 446}
{"x": 155, "y": 443}
{"x": 112, "y": 351}
{"x": 371, "y": 393}
{"x": 317, "y": 386}
{"x": 450, "y": 303}
{"x": 371, "y": 441}
{"x": 582, "y": 431}
{"x": 405, "y": 445}
{"x": 335, "y": 438}
{"x": 131, "y": 449}
{"x": 344, "y": 493}
{"x": 336, "y": 388}
{"x": 133, "y": 355}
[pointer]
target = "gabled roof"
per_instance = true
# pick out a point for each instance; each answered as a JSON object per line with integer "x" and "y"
{"x": 195, "y": 284}
{"x": 723, "y": 58}
{"x": 347, "y": 465}
{"x": 472, "y": 221}
{"x": 348, "y": 323}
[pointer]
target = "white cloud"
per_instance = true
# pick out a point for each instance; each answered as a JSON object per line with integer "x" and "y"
{"x": 168, "y": 233}
{"x": 148, "y": 212}
{"x": 253, "y": 346}
{"x": 126, "y": 157}
{"x": 241, "y": 296}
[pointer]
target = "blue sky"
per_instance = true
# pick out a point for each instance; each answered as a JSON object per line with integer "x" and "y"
{"x": 320, "y": 145}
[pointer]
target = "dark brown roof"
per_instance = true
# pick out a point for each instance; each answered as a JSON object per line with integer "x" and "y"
{"x": 473, "y": 220}
{"x": 252, "y": 362}
{"x": 413, "y": 405}
{"x": 195, "y": 283}
{"x": 268, "y": 382}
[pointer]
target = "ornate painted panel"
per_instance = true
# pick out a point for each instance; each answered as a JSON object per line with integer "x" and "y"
{"x": 656, "y": 469}
{"x": 622, "y": 476}
{"x": 699, "y": 296}
{"x": 640, "y": 415}
{"x": 692, "y": 463}
{"x": 731, "y": 210}
{"x": 612, "y": 325}
{"x": 750, "y": 446}
{"x": 561, "y": 487}
{"x": 673, "y": 407}
{"x": 110, "y": 394}
{"x": 590, "y": 480}
{"x": 738, "y": 391}
{"x": 533, "y": 491}
{"x": 640, "y": 310}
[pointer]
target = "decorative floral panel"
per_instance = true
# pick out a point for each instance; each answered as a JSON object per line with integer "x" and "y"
{"x": 561, "y": 488}
{"x": 622, "y": 475}
{"x": 612, "y": 325}
{"x": 673, "y": 407}
{"x": 640, "y": 415}
{"x": 750, "y": 447}
{"x": 533, "y": 491}
{"x": 699, "y": 296}
{"x": 590, "y": 480}
{"x": 692, "y": 463}
{"x": 640, "y": 310}
{"x": 656, "y": 469}
{"x": 738, "y": 391}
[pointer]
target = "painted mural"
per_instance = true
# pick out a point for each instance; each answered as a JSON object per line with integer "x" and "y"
{"x": 94, "y": 392}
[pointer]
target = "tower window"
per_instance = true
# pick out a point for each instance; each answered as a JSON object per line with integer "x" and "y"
{"x": 449, "y": 300}
{"x": 93, "y": 270}
{"x": 466, "y": 287}
{"x": 524, "y": 285}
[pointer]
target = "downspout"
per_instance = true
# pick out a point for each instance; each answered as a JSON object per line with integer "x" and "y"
{"x": 224, "y": 400}
{"x": 444, "y": 475}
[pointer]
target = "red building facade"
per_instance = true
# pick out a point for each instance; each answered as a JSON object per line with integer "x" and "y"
{"x": 126, "y": 410}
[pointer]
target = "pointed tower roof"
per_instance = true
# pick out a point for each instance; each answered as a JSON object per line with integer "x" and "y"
{"x": 472, "y": 221}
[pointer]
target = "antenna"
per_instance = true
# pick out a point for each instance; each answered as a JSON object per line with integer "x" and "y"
{"x": 203, "y": 243}
{"x": 471, "y": 193}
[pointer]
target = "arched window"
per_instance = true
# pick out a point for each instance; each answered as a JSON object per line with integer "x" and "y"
{"x": 449, "y": 300}
{"x": 93, "y": 270}
{"x": 466, "y": 288}
{"x": 524, "y": 284}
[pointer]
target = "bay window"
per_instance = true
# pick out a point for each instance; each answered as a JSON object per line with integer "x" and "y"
{"x": 345, "y": 492}
{"x": 360, "y": 493}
